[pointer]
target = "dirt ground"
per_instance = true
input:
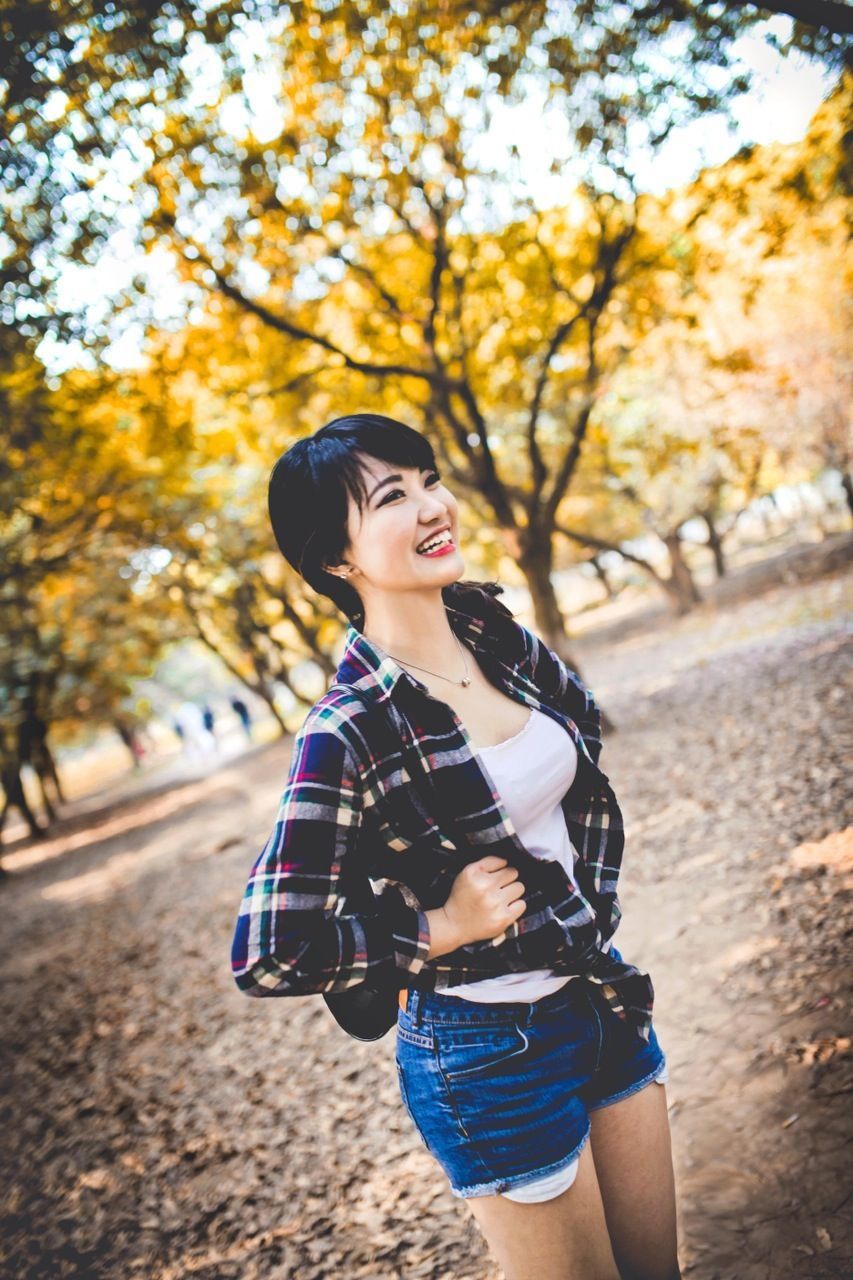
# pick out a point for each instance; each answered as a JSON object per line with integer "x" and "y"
{"x": 157, "y": 1123}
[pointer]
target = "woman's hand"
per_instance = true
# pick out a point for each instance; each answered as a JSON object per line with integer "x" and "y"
{"x": 485, "y": 899}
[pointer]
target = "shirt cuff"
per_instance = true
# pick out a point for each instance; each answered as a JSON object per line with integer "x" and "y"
{"x": 412, "y": 949}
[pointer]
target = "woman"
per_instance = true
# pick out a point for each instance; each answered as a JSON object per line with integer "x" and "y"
{"x": 455, "y": 762}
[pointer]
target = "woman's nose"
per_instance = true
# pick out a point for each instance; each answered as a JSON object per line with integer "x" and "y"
{"x": 433, "y": 506}
{"x": 434, "y": 516}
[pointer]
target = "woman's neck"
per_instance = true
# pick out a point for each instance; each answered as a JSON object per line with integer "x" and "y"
{"x": 416, "y": 631}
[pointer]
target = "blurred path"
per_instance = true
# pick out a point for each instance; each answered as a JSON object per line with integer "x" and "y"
{"x": 159, "y": 1124}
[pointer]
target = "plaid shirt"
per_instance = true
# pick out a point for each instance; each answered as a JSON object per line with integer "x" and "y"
{"x": 385, "y": 789}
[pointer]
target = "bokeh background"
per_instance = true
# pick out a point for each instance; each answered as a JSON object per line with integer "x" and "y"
{"x": 599, "y": 254}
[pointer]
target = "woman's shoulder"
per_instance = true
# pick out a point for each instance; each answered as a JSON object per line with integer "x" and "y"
{"x": 339, "y": 713}
{"x": 335, "y": 710}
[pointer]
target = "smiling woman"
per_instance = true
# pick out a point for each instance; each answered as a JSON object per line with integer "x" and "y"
{"x": 524, "y": 1038}
{"x": 356, "y": 506}
{"x": 359, "y": 509}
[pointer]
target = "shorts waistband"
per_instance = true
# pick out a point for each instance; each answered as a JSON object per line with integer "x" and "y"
{"x": 438, "y": 1006}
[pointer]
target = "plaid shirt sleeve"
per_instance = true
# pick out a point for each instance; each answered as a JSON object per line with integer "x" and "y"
{"x": 293, "y": 935}
{"x": 557, "y": 680}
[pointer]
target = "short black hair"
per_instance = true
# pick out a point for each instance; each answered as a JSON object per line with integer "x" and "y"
{"x": 310, "y": 487}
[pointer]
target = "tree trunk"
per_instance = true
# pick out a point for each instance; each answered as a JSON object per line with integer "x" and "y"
{"x": 263, "y": 691}
{"x": 45, "y": 766}
{"x": 715, "y": 543}
{"x": 603, "y": 577}
{"x": 49, "y": 808}
{"x": 535, "y": 563}
{"x": 680, "y": 585}
{"x": 847, "y": 482}
{"x": 13, "y": 788}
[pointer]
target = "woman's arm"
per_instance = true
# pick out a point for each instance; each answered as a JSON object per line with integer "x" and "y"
{"x": 293, "y": 935}
{"x": 443, "y": 935}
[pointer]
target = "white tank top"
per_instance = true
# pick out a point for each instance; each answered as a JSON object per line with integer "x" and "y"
{"x": 532, "y": 771}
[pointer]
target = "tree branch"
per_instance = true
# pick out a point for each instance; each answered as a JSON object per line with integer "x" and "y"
{"x": 282, "y": 325}
{"x": 601, "y": 544}
{"x": 825, "y": 14}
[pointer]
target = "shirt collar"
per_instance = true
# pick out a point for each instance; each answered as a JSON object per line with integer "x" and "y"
{"x": 373, "y": 671}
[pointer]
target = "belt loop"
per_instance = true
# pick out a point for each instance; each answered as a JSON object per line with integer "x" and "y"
{"x": 415, "y": 1012}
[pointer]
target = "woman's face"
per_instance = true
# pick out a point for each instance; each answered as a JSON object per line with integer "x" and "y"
{"x": 405, "y": 508}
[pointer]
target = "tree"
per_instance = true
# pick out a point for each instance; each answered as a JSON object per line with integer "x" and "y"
{"x": 375, "y": 120}
{"x": 76, "y": 473}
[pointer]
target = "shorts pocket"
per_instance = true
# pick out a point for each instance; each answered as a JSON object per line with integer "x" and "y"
{"x": 467, "y": 1053}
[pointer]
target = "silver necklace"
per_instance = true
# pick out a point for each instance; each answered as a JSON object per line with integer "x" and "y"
{"x": 464, "y": 682}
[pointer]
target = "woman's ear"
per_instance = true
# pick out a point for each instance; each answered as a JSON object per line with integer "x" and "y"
{"x": 341, "y": 570}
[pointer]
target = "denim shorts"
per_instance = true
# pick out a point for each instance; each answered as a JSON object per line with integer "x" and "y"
{"x": 500, "y": 1094}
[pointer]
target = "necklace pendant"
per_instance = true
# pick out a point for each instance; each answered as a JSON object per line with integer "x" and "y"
{"x": 466, "y": 682}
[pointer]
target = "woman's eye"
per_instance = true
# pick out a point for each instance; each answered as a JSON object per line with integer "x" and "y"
{"x": 433, "y": 478}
